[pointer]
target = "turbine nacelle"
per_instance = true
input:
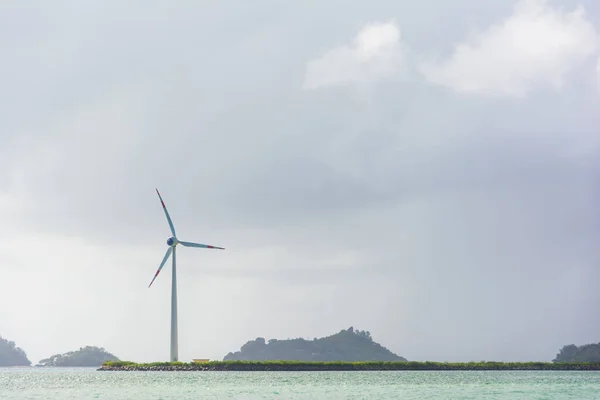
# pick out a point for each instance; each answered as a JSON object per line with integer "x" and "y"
{"x": 172, "y": 241}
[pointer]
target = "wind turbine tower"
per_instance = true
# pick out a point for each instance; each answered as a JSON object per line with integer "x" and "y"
{"x": 172, "y": 242}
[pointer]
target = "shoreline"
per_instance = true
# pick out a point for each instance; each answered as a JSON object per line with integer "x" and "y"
{"x": 297, "y": 366}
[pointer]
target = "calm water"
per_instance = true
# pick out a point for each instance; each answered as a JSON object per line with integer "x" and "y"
{"x": 80, "y": 383}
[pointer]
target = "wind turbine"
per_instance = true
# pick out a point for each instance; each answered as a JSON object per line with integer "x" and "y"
{"x": 172, "y": 242}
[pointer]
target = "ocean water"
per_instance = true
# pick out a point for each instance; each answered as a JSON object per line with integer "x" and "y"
{"x": 84, "y": 383}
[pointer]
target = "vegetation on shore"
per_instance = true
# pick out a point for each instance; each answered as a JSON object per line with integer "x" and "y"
{"x": 348, "y": 350}
{"x": 347, "y": 366}
{"x": 88, "y": 356}
{"x": 11, "y": 355}
{"x": 347, "y": 345}
{"x": 585, "y": 353}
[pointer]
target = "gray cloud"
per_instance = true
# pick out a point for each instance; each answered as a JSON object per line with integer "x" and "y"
{"x": 538, "y": 45}
{"x": 451, "y": 226}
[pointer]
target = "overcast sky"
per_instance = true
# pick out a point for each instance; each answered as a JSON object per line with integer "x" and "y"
{"x": 426, "y": 171}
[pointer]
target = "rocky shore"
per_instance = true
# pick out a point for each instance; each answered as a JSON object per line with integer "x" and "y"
{"x": 348, "y": 366}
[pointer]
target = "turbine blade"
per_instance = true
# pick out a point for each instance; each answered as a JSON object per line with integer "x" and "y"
{"x": 167, "y": 214}
{"x": 166, "y": 257}
{"x": 204, "y": 246}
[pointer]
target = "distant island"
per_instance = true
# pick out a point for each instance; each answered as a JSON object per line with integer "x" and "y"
{"x": 11, "y": 355}
{"x": 353, "y": 350}
{"x": 88, "y": 356}
{"x": 348, "y": 345}
{"x": 586, "y": 353}
{"x": 347, "y": 350}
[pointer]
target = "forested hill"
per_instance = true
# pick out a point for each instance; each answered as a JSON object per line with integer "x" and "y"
{"x": 88, "y": 356}
{"x": 347, "y": 345}
{"x": 585, "y": 353}
{"x": 11, "y": 355}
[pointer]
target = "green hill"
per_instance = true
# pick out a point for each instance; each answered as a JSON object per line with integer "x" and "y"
{"x": 585, "y": 353}
{"x": 12, "y": 356}
{"x": 89, "y": 356}
{"x": 347, "y": 345}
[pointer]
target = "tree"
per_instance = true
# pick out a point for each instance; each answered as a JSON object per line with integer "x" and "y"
{"x": 11, "y": 355}
{"x": 88, "y": 356}
{"x": 346, "y": 345}
{"x": 566, "y": 353}
{"x": 585, "y": 353}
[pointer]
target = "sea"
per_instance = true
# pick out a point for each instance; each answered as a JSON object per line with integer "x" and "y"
{"x": 87, "y": 383}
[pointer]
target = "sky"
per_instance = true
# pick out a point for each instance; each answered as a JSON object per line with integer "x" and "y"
{"x": 425, "y": 171}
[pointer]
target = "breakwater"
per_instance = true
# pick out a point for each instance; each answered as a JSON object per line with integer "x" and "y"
{"x": 347, "y": 366}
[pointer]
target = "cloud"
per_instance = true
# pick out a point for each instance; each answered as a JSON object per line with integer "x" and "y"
{"x": 419, "y": 210}
{"x": 376, "y": 53}
{"x": 598, "y": 72}
{"x": 537, "y": 46}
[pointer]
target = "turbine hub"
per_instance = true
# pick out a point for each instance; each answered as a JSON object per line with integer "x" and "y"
{"x": 172, "y": 241}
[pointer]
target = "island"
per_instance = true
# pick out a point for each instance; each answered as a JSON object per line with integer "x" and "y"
{"x": 11, "y": 355}
{"x": 572, "y": 354}
{"x": 348, "y": 350}
{"x": 347, "y": 345}
{"x": 88, "y": 356}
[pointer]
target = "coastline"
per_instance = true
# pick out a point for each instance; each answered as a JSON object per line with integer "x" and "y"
{"x": 348, "y": 366}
